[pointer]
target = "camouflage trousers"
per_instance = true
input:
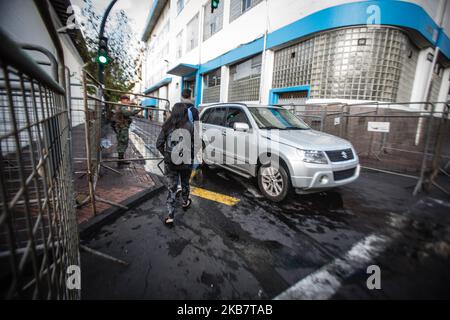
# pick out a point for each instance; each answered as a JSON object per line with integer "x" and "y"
{"x": 173, "y": 177}
{"x": 122, "y": 140}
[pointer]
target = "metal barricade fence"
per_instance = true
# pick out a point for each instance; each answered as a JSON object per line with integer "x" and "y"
{"x": 38, "y": 228}
{"x": 97, "y": 112}
{"x": 395, "y": 138}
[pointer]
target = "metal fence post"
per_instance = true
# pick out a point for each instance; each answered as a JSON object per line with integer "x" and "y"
{"x": 425, "y": 152}
{"x": 88, "y": 146}
{"x": 436, "y": 166}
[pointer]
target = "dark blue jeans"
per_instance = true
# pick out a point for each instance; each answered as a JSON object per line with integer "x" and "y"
{"x": 173, "y": 177}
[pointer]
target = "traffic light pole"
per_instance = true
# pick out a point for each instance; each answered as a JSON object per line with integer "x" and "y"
{"x": 101, "y": 67}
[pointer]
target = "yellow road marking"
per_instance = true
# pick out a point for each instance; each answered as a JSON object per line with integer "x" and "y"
{"x": 193, "y": 174}
{"x": 214, "y": 196}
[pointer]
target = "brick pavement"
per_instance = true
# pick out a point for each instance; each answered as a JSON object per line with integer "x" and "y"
{"x": 111, "y": 186}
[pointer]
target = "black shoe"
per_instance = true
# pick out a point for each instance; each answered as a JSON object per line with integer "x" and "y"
{"x": 122, "y": 163}
{"x": 186, "y": 204}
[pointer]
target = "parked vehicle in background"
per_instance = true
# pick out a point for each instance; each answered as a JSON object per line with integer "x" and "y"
{"x": 309, "y": 160}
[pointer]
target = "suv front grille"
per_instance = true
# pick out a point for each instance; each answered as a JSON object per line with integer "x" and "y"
{"x": 340, "y": 155}
{"x": 344, "y": 174}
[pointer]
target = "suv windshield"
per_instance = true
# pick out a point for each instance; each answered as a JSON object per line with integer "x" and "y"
{"x": 277, "y": 118}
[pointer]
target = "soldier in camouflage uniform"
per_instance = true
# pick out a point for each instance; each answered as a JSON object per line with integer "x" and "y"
{"x": 122, "y": 124}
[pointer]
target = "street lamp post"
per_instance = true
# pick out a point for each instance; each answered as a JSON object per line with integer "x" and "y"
{"x": 102, "y": 58}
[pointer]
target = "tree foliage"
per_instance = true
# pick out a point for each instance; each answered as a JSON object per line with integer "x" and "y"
{"x": 124, "y": 48}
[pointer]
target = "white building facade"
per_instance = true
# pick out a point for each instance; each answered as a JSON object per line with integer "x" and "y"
{"x": 291, "y": 51}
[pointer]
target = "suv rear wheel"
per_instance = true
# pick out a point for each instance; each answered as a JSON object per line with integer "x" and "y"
{"x": 274, "y": 181}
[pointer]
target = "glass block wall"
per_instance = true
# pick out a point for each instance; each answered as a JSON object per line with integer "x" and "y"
{"x": 362, "y": 63}
{"x": 245, "y": 79}
{"x": 211, "y": 91}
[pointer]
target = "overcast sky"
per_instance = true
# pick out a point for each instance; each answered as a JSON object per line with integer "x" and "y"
{"x": 137, "y": 10}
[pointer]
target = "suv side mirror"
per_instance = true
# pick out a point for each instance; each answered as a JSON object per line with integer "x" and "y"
{"x": 241, "y": 126}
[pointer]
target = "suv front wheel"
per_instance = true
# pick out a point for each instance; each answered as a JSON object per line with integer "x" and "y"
{"x": 273, "y": 182}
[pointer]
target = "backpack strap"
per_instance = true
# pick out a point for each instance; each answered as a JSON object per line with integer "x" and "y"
{"x": 190, "y": 115}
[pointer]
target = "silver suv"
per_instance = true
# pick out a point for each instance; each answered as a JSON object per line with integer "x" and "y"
{"x": 242, "y": 138}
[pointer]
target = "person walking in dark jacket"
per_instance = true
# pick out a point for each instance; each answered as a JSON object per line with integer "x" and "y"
{"x": 175, "y": 142}
{"x": 186, "y": 99}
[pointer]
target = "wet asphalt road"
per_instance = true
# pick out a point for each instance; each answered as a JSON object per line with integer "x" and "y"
{"x": 257, "y": 249}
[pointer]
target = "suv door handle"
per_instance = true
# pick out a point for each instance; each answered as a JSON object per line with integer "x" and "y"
{"x": 224, "y": 132}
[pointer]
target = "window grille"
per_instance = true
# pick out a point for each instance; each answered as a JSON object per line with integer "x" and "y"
{"x": 211, "y": 92}
{"x": 245, "y": 80}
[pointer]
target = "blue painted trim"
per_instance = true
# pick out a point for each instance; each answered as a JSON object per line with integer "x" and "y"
{"x": 150, "y": 102}
{"x": 158, "y": 85}
{"x": 190, "y": 74}
{"x": 192, "y": 66}
{"x": 444, "y": 43}
{"x": 198, "y": 89}
{"x": 274, "y": 93}
{"x": 393, "y": 12}
{"x": 243, "y": 51}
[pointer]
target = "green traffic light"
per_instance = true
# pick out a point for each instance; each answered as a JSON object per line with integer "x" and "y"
{"x": 102, "y": 58}
{"x": 214, "y": 5}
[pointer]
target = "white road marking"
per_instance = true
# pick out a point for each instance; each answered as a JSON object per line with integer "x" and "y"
{"x": 325, "y": 282}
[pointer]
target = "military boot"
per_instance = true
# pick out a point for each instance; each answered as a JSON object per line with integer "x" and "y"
{"x": 122, "y": 163}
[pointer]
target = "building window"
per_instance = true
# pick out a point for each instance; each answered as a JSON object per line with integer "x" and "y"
{"x": 179, "y": 44}
{"x": 245, "y": 80}
{"x": 213, "y": 22}
{"x": 238, "y": 7}
{"x": 211, "y": 92}
{"x": 246, "y": 4}
{"x": 192, "y": 34}
{"x": 180, "y": 6}
{"x": 336, "y": 65}
{"x": 190, "y": 84}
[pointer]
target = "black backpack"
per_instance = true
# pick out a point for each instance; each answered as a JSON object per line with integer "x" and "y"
{"x": 171, "y": 144}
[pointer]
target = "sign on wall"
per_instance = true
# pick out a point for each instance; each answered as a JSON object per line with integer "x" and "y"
{"x": 376, "y": 126}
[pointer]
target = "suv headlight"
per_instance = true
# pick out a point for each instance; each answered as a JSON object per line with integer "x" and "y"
{"x": 313, "y": 156}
